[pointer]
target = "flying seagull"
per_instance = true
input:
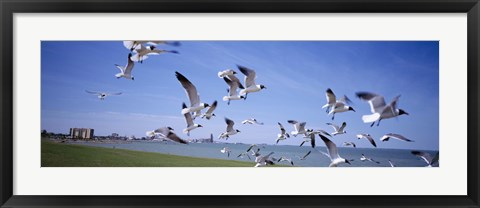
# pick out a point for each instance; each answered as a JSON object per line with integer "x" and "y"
{"x": 368, "y": 137}
{"x": 143, "y": 52}
{"x": 310, "y": 138}
{"x": 350, "y": 144}
{"x": 252, "y": 121}
{"x": 386, "y": 137}
{"x": 226, "y": 150}
{"x": 299, "y": 127}
{"x": 431, "y": 161}
{"x": 333, "y": 153}
{"x": 379, "y": 109}
{"x": 167, "y": 132}
{"x": 190, "y": 125}
{"x": 226, "y": 72}
{"x": 102, "y": 95}
{"x": 232, "y": 90}
{"x": 332, "y": 99}
{"x": 209, "y": 114}
{"x": 195, "y": 105}
{"x": 230, "y": 131}
{"x": 338, "y": 130}
{"x": 250, "y": 77}
{"x": 136, "y": 44}
{"x": 283, "y": 134}
{"x": 126, "y": 71}
{"x": 243, "y": 154}
{"x": 285, "y": 159}
{"x": 363, "y": 158}
{"x": 305, "y": 156}
{"x": 263, "y": 160}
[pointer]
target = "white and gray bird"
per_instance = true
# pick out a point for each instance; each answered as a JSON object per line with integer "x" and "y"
{"x": 386, "y": 137}
{"x": 350, "y": 144}
{"x": 190, "y": 125}
{"x": 136, "y": 44}
{"x": 263, "y": 160}
{"x": 337, "y": 129}
{"x": 126, "y": 71}
{"x": 282, "y": 135}
{"x": 226, "y": 150}
{"x": 281, "y": 159}
{"x": 333, "y": 153}
{"x": 102, "y": 95}
{"x": 230, "y": 130}
{"x": 332, "y": 99}
{"x": 195, "y": 105}
{"x": 166, "y": 132}
{"x": 226, "y": 72}
{"x": 368, "y": 137}
{"x": 299, "y": 127}
{"x": 232, "y": 90}
{"x": 363, "y": 159}
{"x": 431, "y": 161}
{"x": 251, "y": 121}
{"x": 380, "y": 110}
{"x": 142, "y": 52}
{"x": 250, "y": 76}
{"x": 310, "y": 138}
{"x": 209, "y": 114}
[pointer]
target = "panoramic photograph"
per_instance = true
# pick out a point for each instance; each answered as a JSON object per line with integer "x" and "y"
{"x": 173, "y": 103}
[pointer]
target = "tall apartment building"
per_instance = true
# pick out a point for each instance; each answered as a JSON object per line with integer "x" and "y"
{"x": 81, "y": 133}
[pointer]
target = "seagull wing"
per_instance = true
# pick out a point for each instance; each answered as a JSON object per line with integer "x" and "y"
{"x": 344, "y": 124}
{"x": 302, "y": 126}
{"x": 370, "y": 139}
{"x": 212, "y": 107}
{"x": 190, "y": 89}
{"x": 234, "y": 79}
{"x": 114, "y": 93}
{"x": 331, "y": 147}
{"x": 335, "y": 127}
{"x": 395, "y": 136}
{"x": 129, "y": 67}
{"x": 232, "y": 90}
{"x": 172, "y": 136}
{"x": 230, "y": 124}
{"x": 282, "y": 130}
{"x": 345, "y": 100}
{"x": 425, "y": 156}
{"x": 188, "y": 116}
{"x": 92, "y": 92}
{"x": 377, "y": 102}
{"x": 296, "y": 125}
{"x": 250, "y": 75}
{"x": 331, "y": 98}
{"x": 308, "y": 153}
{"x": 312, "y": 140}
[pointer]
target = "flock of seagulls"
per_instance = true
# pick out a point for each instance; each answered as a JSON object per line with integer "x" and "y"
{"x": 139, "y": 51}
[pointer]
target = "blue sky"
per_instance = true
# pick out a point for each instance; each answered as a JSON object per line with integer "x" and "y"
{"x": 296, "y": 74}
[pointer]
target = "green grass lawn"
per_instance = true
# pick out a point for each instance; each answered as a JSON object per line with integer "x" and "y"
{"x": 71, "y": 155}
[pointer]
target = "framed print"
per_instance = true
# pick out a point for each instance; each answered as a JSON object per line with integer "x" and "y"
{"x": 267, "y": 103}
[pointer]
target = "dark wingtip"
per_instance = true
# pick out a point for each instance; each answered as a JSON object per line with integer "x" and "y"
{"x": 184, "y": 106}
{"x": 329, "y": 90}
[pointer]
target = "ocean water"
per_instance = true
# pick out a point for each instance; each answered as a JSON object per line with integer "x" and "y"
{"x": 401, "y": 158}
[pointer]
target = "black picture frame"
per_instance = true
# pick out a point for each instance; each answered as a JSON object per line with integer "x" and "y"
{"x": 10, "y": 7}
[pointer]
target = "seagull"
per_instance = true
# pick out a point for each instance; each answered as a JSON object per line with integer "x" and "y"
{"x": 338, "y": 130}
{"x": 251, "y": 121}
{"x": 136, "y": 44}
{"x": 340, "y": 107}
{"x": 230, "y": 131}
{"x": 350, "y": 144}
{"x": 224, "y": 73}
{"x": 243, "y": 154}
{"x": 391, "y": 164}
{"x": 333, "y": 153}
{"x": 190, "y": 125}
{"x": 379, "y": 109}
{"x": 126, "y": 71}
{"x": 283, "y": 134}
{"x": 250, "y": 77}
{"x": 166, "y": 132}
{"x": 363, "y": 158}
{"x": 310, "y": 138}
{"x": 263, "y": 160}
{"x": 431, "y": 161}
{"x": 209, "y": 114}
{"x": 251, "y": 148}
{"x": 332, "y": 99}
{"x": 226, "y": 150}
{"x": 232, "y": 90}
{"x": 195, "y": 105}
{"x": 299, "y": 127}
{"x": 305, "y": 156}
{"x": 143, "y": 52}
{"x": 102, "y": 95}
{"x": 285, "y": 159}
{"x": 318, "y": 131}
{"x": 367, "y": 136}
{"x": 386, "y": 137}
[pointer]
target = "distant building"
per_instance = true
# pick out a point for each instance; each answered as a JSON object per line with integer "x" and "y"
{"x": 81, "y": 133}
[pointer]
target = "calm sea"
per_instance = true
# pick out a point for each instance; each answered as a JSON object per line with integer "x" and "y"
{"x": 401, "y": 158}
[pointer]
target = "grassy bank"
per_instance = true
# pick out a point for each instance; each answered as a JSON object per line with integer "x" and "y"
{"x": 70, "y": 155}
